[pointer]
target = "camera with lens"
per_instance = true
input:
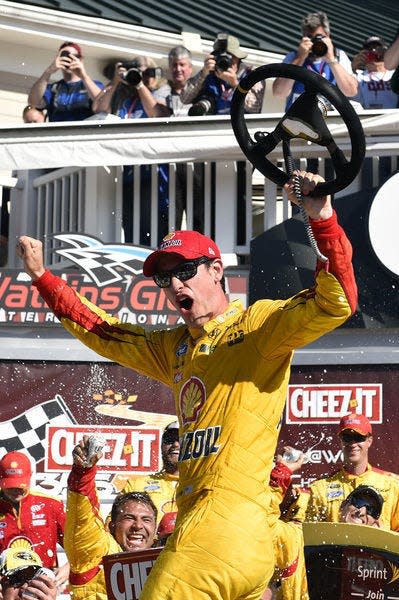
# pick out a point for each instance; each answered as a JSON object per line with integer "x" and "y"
{"x": 133, "y": 75}
{"x": 319, "y": 48}
{"x": 203, "y": 105}
{"x": 223, "y": 59}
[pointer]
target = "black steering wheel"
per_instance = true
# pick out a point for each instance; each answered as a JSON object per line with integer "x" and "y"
{"x": 304, "y": 119}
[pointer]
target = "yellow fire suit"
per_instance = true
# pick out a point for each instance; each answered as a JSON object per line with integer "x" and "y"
{"x": 230, "y": 382}
{"x": 86, "y": 538}
{"x": 289, "y": 579}
{"x": 326, "y": 495}
{"x": 161, "y": 487}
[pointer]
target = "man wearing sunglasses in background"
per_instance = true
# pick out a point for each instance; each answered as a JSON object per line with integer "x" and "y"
{"x": 363, "y": 506}
{"x": 229, "y": 369}
{"x": 70, "y": 98}
{"x": 327, "y": 494}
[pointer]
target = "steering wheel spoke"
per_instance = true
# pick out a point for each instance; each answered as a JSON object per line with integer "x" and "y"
{"x": 304, "y": 119}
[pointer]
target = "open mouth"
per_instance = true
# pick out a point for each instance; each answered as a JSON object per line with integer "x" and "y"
{"x": 186, "y": 303}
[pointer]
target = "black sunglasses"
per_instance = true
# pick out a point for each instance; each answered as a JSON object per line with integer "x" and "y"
{"x": 371, "y": 509}
{"x": 21, "y": 576}
{"x": 353, "y": 438}
{"x": 184, "y": 272}
{"x": 170, "y": 437}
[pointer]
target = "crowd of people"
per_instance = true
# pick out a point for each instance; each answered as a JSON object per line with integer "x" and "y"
{"x": 139, "y": 88}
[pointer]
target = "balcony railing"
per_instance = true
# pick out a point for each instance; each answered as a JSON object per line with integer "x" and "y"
{"x": 135, "y": 180}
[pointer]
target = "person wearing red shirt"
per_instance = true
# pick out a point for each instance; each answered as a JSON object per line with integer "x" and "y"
{"x": 38, "y": 518}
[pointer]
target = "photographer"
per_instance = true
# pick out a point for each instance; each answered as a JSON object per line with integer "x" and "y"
{"x": 70, "y": 98}
{"x": 134, "y": 92}
{"x": 373, "y": 77}
{"x": 22, "y": 575}
{"x": 317, "y": 53}
{"x": 211, "y": 89}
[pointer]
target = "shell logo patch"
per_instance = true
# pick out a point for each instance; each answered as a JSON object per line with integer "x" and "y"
{"x": 191, "y": 399}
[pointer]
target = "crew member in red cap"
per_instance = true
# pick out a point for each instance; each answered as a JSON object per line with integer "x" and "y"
{"x": 327, "y": 494}
{"x": 37, "y": 517}
{"x": 229, "y": 369}
{"x": 161, "y": 486}
{"x": 69, "y": 98}
{"x": 166, "y": 527}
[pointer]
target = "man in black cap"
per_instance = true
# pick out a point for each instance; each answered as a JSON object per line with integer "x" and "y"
{"x": 363, "y": 506}
{"x": 161, "y": 486}
{"x": 212, "y": 88}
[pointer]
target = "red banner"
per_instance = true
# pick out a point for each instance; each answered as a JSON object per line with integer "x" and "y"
{"x": 126, "y": 573}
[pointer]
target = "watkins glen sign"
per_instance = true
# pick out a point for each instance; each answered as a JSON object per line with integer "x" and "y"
{"x": 110, "y": 276}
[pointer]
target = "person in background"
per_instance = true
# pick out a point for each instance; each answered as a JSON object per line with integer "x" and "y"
{"x": 161, "y": 486}
{"x": 363, "y": 506}
{"x": 22, "y": 575}
{"x": 31, "y": 114}
{"x": 70, "y": 98}
{"x": 373, "y": 77}
{"x": 228, "y": 368}
{"x": 136, "y": 91}
{"x": 211, "y": 90}
{"x": 289, "y": 581}
{"x": 166, "y": 527}
{"x": 317, "y": 53}
{"x": 132, "y": 525}
{"x": 326, "y": 495}
{"x": 180, "y": 70}
{"x": 19, "y": 517}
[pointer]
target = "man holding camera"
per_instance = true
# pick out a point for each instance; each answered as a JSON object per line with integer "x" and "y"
{"x": 70, "y": 98}
{"x": 373, "y": 77}
{"x": 211, "y": 89}
{"x": 134, "y": 92}
{"x": 317, "y": 53}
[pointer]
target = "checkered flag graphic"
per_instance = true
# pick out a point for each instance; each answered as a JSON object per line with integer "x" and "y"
{"x": 27, "y": 431}
{"x": 103, "y": 263}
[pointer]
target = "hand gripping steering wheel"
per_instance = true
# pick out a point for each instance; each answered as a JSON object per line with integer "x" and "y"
{"x": 304, "y": 119}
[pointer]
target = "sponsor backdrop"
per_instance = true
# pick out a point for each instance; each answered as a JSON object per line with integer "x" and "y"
{"x": 50, "y": 405}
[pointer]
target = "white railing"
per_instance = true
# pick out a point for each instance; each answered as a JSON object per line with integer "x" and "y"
{"x": 206, "y": 167}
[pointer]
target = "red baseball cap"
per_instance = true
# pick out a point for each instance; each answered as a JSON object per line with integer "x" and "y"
{"x": 167, "y": 524}
{"x": 186, "y": 244}
{"x": 358, "y": 423}
{"x": 15, "y": 470}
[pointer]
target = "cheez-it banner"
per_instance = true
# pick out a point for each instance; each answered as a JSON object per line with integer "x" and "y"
{"x": 126, "y": 449}
{"x": 327, "y": 403}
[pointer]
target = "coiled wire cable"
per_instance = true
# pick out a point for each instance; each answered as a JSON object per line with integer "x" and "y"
{"x": 290, "y": 167}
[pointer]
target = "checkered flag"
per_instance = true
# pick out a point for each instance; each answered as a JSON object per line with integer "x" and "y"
{"x": 28, "y": 430}
{"x": 103, "y": 263}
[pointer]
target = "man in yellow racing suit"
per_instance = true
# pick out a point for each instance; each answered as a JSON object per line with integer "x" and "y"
{"x": 326, "y": 495}
{"x": 132, "y": 527}
{"x": 289, "y": 581}
{"x": 229, "y": 370}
